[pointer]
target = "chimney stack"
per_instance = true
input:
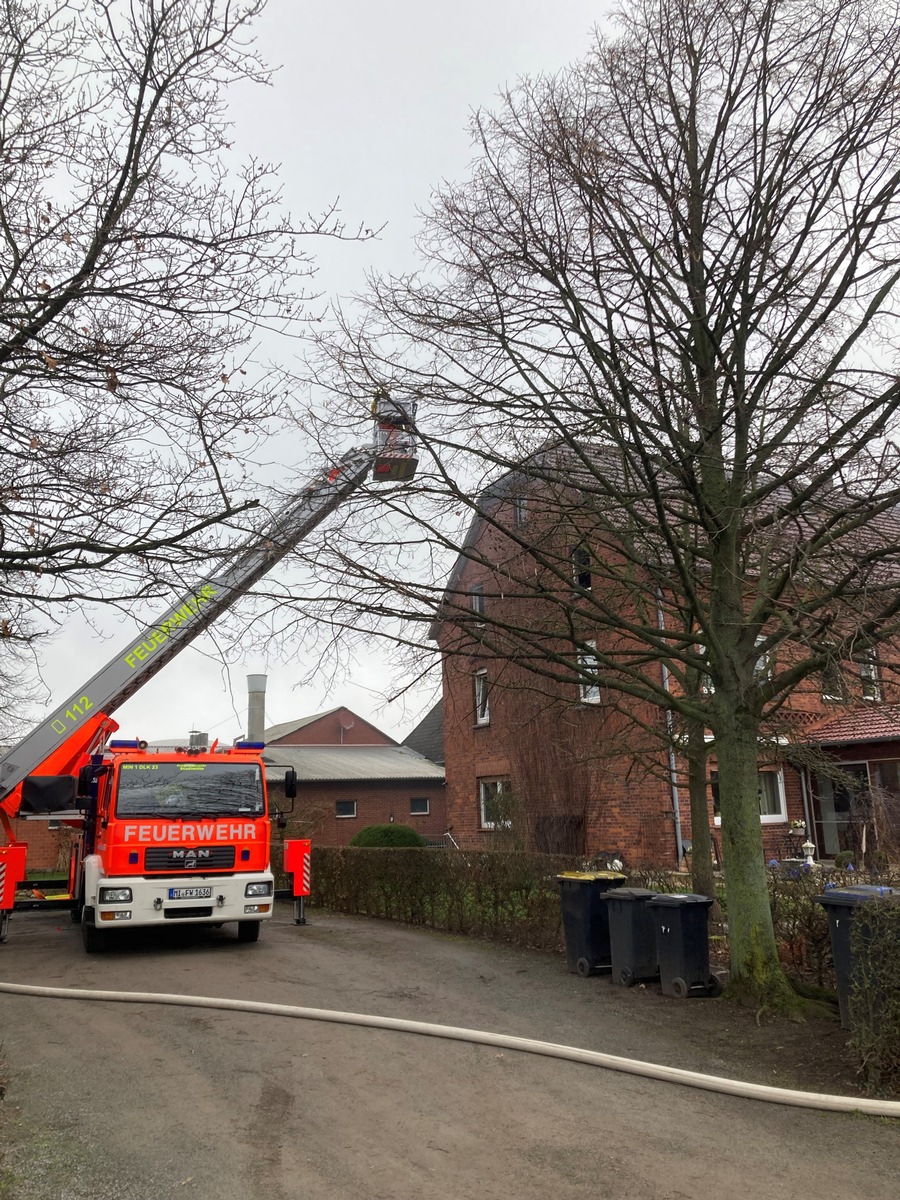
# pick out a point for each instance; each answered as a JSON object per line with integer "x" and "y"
{"x": 256, "y": 708}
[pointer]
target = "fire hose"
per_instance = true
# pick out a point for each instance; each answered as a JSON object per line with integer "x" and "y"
{"x": 595, "y": 1058}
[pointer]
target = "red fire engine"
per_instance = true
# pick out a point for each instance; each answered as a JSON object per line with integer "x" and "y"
{"x": 166, "y": 837}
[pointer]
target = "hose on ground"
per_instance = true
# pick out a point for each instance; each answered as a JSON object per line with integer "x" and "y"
{"x": 594, "y": 1058}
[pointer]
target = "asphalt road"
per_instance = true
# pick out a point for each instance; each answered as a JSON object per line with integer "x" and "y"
{"x": 127, "y": 1102}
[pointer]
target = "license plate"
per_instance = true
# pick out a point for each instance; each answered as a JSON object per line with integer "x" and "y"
{"x": 198, "y": 893}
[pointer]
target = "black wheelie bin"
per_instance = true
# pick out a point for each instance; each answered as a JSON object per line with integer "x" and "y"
{"x": 586, "y": 920}
{"x": 682, "y": 944}
{"x": 841, "y": 905}
{"x": 632, "y": 935}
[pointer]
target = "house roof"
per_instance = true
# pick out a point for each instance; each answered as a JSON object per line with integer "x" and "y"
{"x": 323, "y": 763}
{"x": 428, "y": 736}
{"x": 274, "y": 732}
{"x": 876, "y": 724}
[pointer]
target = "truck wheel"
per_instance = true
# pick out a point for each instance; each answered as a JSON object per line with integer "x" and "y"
{"x": 248, "y": 931}
{"x": 94, "y": 939}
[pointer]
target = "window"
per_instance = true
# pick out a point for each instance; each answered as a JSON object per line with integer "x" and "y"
{"x": 419, "y": 806}
{"x": 834, "y": 688}
{"x": 494, "y": 797}
{"x": 770, "y": 790}
{"x": 482, "y": 709}
{"x": 581, "y": 567}
{"x": 476, "y": 599}
{"x": 588, "y": 667}
{"x": 867, "y": 663}
{"x": 520, "y": 510}
{"x": 707, "y": 687}
{"x": 345, "y": 808}
{"x": 763, "y": 666}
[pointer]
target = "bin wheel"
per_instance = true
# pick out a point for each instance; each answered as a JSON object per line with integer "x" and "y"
{"x": 679, "y": 988}
{"x": 714, "y": 988}
{"x": 583, "y": 968}
{"x": 626, "y": 977}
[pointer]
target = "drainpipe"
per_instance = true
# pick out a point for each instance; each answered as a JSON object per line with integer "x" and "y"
{"x": 673, "y": 773}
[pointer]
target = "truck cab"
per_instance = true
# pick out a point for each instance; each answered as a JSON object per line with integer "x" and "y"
{"x": 174, "y": 836}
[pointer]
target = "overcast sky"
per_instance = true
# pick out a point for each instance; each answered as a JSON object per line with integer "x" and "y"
{"x": 371, "y": 105}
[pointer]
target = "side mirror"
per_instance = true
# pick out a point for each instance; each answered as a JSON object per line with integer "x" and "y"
{"x": 290, "y": 783}
{"x": 281, "y": 821}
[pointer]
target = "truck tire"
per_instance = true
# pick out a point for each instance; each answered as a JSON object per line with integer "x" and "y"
{"x": 94, "y": 939}
{"x": 248, "y": 931}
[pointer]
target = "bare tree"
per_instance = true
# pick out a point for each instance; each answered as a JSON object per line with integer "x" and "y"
{"x": 139, "y": 269}
{"x": 664, "y": 304}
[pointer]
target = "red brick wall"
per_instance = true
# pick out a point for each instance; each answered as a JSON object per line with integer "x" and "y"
{"x": 329, "y": 731}
{"x": 44, "y": 845}
{"x": 376, "y": 803}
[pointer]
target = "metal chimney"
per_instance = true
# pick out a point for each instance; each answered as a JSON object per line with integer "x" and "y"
{"x": 256, "y": 708}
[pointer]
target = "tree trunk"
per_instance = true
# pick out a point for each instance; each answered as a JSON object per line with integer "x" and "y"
{"x": 756, "y": 971}
{"x": 703, "y": 880}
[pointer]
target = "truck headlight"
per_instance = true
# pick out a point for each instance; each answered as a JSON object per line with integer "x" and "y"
{"x": 259, "y": 889}
{"x": 115, "y": 895}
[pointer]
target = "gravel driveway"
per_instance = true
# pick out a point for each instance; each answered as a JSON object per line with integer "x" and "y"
{"x": 128, "y": 1102}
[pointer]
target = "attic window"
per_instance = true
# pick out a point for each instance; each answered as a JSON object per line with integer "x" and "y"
{"x": 520, "y": 510}
{"x": 476, "y": 599}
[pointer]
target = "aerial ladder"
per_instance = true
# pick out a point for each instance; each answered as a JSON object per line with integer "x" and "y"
{"x": 40, "y": 775}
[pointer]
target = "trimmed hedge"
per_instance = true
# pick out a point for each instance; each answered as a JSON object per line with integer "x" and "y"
{"x": 513, "y": 897}
{"x": 375, "y": 836}
{"x": 875, "y": 993}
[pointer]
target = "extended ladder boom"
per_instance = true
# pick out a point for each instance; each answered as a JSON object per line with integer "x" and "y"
{"x": 391, "y": 457}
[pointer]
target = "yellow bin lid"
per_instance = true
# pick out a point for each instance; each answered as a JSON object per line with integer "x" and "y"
{"x": 591, "y": 875}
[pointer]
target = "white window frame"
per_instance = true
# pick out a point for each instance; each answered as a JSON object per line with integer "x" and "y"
{"x": 834, "y": 671}
{"x": 344, "y": 816}
{"x": 476, "y": 600}
{"x": 503, "y": 785}
{"x": 482, "y": 697}
{"x": 588, "y": 691}
{"x": 779, "y": 818}
{"x": 869, "y": 680}
{"x": 520, "y": 510}
{"x": 763, "y": 667}
{"x": 422, "y": 812}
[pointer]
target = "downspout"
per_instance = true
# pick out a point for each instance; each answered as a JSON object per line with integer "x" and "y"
{"x": 670, "y": 732}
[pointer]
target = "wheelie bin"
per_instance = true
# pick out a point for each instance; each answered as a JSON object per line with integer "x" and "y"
{"x": 841, "y": 905}
{"x": 680, "y": 923}
{"x": 632, "y": 935}
{"x": 586, "y": 920}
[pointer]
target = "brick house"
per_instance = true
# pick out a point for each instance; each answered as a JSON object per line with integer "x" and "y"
{"x": 548, "y": 763}
{"x": 351, "y": 775}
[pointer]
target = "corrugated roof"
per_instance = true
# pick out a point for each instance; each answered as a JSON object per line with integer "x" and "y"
{"x": 876, "y": 724}
{"x": 324, "y": 763}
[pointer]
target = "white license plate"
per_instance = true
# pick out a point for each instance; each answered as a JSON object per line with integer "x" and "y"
{"x": 190, "y": 893}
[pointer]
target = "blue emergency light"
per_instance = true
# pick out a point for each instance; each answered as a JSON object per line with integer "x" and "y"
{"x": 249, "y": 745}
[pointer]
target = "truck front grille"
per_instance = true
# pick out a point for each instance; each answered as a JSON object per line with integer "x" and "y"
{"x": 188, "y": 858}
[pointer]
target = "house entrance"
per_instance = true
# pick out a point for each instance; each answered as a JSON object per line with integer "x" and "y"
{"x": 833, "y": 804}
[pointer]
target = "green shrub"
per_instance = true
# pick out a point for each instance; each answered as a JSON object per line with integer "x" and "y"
{"x": 875, "y": 993}
{"x": 374, "y": 836}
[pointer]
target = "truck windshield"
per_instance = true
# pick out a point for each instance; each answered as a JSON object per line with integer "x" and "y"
{"x": 189, "y": 789}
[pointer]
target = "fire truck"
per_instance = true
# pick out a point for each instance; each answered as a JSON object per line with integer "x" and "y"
{"x": 175, "y": 836}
